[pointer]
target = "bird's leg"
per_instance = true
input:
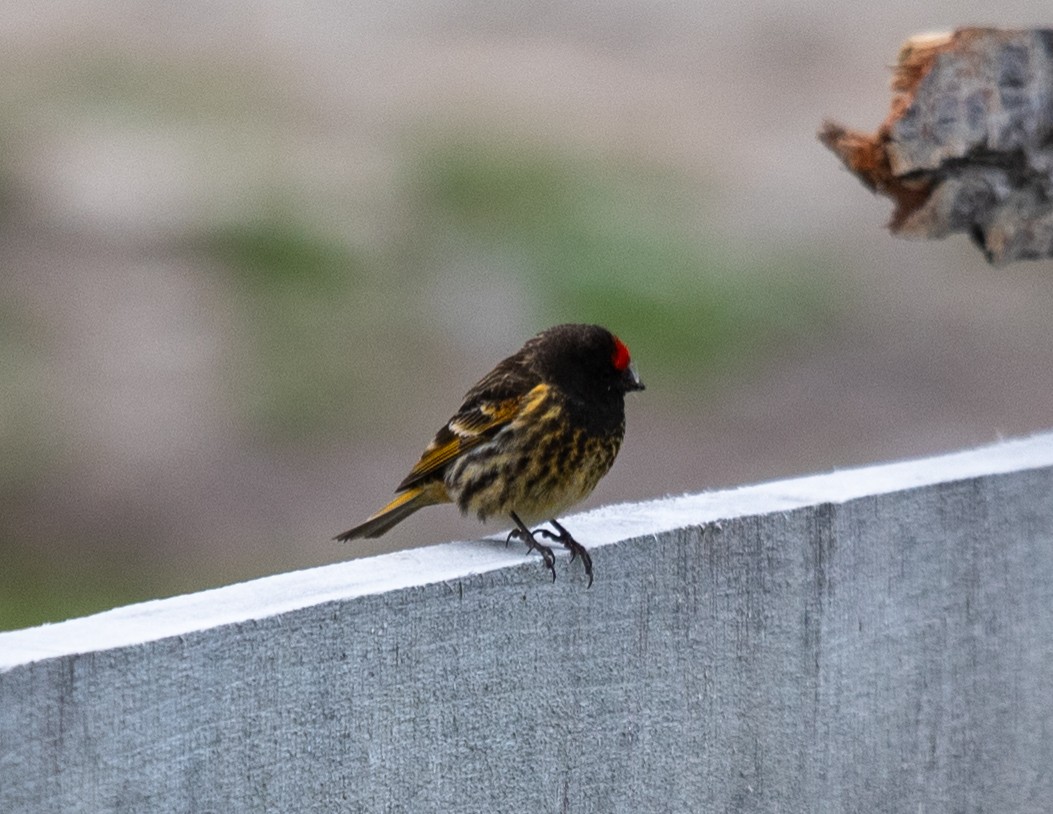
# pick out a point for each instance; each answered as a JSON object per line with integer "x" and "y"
{"x": 527, "y": 536}
{"x": 575, "y": 548}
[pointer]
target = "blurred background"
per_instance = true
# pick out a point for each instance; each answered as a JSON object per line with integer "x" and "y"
{"x": 251, "y": 257}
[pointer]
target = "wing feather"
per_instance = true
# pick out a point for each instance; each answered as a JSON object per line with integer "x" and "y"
{"x": 478, "y": 420}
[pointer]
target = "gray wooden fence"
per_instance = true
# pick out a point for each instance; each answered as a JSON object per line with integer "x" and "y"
{"x": 877, "y": 640}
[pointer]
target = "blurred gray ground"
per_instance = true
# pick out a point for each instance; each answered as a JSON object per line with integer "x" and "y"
{"x": 136, "y": 458}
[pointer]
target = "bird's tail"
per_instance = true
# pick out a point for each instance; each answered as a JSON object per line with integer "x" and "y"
{"x": 404, "y": 504}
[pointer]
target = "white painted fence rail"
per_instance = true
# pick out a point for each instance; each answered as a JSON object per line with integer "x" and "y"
{"x": 877, "y": 640}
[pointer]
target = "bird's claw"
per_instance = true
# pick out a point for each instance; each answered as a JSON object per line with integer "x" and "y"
{"x": 533, "y": 545}
{"x": 576, "y": 549}
{"x": 561, "y": 536}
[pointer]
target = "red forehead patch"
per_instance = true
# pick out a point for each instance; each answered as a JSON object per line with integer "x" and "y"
{"x": 620, "y": 358}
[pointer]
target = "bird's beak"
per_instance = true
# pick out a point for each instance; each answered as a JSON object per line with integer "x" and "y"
{"x": 631, "y": 379}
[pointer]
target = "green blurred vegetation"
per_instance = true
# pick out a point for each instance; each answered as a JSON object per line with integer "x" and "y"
{"x": 581, "y": 240}
{"x": 105, "y": 84}
{"x": 620, "y": 247}
{"x": 294, "y": 285}
{"x": 30, "y": 431}
{"x": 38, "y": 586}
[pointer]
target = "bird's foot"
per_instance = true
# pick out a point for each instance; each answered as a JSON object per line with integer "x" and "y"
{"x": 532, "y": 544}
{"x": 576, "y": 549}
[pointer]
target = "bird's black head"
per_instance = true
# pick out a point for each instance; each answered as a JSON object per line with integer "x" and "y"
{"x": 584, "y": 357}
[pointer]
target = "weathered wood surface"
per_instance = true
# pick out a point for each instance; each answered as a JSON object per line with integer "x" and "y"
{"x": 876, "y": 640}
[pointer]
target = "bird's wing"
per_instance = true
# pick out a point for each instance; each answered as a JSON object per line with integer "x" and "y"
{"x": 481, "y": 416}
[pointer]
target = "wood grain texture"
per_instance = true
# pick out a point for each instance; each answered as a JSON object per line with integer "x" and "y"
{"x": 886, "y": 653}
{"x": 967, "y": 145}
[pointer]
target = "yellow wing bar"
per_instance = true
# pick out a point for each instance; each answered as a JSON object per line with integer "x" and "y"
{"x": 469, "y": 428}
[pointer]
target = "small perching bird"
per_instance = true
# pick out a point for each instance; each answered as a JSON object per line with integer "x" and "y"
{"x": 531, "y": 439}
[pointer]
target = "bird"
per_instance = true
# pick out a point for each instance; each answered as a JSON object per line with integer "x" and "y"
{"x": 531, "y": 439}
